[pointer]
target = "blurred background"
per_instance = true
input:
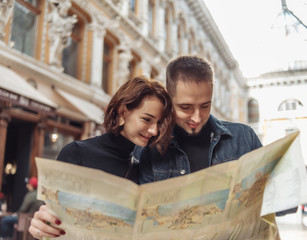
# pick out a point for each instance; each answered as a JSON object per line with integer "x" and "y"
{"x": 60, "y": 61}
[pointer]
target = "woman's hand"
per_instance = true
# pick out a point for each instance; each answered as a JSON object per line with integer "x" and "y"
{"x": 41, "y": 224}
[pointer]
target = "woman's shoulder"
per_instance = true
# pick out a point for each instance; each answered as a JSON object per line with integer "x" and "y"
{"x": 75, "y": 150}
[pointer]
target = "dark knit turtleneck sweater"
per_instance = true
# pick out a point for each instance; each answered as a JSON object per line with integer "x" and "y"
{"x": 107, "y": 152}
{"x": 195, "y": 146}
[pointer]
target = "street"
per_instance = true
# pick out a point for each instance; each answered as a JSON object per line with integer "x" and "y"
{"x": 291, "y": 226}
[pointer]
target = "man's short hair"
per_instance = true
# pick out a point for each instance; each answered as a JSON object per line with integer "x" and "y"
{"x": 187, "y": 68}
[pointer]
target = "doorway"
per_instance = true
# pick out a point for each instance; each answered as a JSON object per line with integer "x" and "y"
{"x": 16, "y": 161}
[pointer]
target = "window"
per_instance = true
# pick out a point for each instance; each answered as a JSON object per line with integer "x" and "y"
{"x": 150, "y": 17}
{"x": 133, "y": 66}
{"x": 107, "y": 67}
{"x": 253, "y": 111}
{"x": 166, "y": 30}
{"x": 132, "y": 5}
{"x": 71, "y": 52}
{"x": 109, "y": 46}
{"x": 154, "y": 74}
{"x": 54, "y": 142}
{"x": 290, "y": 104}
{"x": 181, "y": 35}
{"x": 23, "y": 33}
{"x": 192, "y": 42}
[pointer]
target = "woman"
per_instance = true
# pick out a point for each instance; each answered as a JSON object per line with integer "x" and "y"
{"x": 140, "y": 113}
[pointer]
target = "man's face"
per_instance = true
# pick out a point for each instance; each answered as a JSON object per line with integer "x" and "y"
{"x": 192, "y": 102}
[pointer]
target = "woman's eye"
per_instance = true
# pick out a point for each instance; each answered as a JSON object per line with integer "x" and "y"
{"x": 146, "y": 119}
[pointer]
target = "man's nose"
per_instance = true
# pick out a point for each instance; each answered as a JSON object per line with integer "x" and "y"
{"x": 196, "y": 116}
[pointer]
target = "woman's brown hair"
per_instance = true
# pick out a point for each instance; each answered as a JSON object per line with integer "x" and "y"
{"x": 131, "y": 95}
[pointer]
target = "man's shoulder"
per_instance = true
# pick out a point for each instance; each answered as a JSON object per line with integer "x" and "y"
{"x": 234, "y": 125}
{"x": 147, "y": 153}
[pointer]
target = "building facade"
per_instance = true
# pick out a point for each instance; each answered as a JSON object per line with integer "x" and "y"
{"x": 61, "y": 61}
{"x": 278, "y": 105}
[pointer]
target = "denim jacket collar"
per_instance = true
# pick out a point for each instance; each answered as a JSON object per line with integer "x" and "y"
{"x": 216, "y": 127}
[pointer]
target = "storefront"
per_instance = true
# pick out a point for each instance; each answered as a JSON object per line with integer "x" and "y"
{"x": 32, "y": 125}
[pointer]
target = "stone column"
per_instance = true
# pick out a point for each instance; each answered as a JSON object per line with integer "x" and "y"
{"x": 174, "y": 38}
{"x": 124, "y": 7}
{"x": 97, "y": 55}
{"x": 124, "y": 58}
{"x": 185, "y": 45}
{"x": 6, "y": 8}
{"x": 4, "y": 120}
{"x": 60, "y": 28}
{"x": 38, "y": 145}
{"x": 146, "y": 68}
{"x": 143, "y": 14}
{"x": 160, "y": 25}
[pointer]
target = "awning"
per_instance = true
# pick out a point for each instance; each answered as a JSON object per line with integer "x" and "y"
{"x": 16, "y": 90}
{"x": 90, "y": 110}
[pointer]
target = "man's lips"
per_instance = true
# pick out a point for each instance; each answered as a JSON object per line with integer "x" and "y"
{"x": 193, "y": 125}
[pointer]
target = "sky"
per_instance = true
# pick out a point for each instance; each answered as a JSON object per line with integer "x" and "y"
{"x": 254, "y": 32}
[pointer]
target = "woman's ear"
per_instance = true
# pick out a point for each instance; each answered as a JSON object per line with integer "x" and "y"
{"x": 121, "y": 113}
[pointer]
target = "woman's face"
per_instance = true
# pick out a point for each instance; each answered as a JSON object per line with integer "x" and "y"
{"x": 142, "y": 123}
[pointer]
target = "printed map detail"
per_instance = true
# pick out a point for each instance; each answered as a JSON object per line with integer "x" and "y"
{"x": 233, "y": 200}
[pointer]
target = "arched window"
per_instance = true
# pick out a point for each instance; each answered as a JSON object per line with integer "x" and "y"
{"x": 23, "y": 33}
{"x": 253, "y": 111}
{"x": 151, "y": 17}
{"x": 290, "y": 104}
{"x": 167, "y": 30}
{"x": 110, "y": 43}
{"x": 181, "y": 34}
{"x": 154, "y": 73}
{"x": 71, "y": 52}
{"x": 192, "y": 41}
{"x": 134, "y": 65}
{"x": 107, "y": 66}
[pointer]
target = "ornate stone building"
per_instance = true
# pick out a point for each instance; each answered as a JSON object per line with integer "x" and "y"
{"x": 61, "y": 60}
{"x": 277, "y": 100}
{"x": 278, "y": 105}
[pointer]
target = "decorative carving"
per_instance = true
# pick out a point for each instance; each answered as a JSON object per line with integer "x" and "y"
{"x": 60, "y": 28}
{"x": 124, "y": 58}
{"x": 6, "y": 7}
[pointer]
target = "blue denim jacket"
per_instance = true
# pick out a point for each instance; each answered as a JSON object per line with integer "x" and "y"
{"x": 229, "y": 141}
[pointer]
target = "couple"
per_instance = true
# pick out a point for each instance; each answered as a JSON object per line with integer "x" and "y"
{"x": 142, "y": 113}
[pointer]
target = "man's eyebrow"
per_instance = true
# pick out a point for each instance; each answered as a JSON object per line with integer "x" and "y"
{"x": 189, "y": 104}
{"x": 207, "y": 102}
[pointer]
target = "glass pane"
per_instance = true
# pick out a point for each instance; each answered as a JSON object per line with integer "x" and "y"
{"x": 106, "y": 50}
{"x": 106, "y": 66}
{"x": 23, "y": 29}
{"x": 32, "y": 2}
{"x": 52, "y": 146}
{"x": 132, "y": 5}
{"x": 70, "y": 58}
{"x": 105, "y": 76}
{"x": 150, "y": 17}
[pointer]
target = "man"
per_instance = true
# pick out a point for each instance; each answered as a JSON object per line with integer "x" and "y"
{"x": 200, "y": 140}
{"x": 30, "y": 204}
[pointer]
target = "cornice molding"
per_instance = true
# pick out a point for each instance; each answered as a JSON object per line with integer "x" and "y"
{"x": 205, "y": 19}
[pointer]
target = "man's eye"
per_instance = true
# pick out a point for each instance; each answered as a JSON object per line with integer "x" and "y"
{"x": 185, "y": 107}
{"x": 205, "y": 106}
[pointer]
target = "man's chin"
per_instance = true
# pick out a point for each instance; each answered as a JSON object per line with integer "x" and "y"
{"x": 192, "y": 131}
